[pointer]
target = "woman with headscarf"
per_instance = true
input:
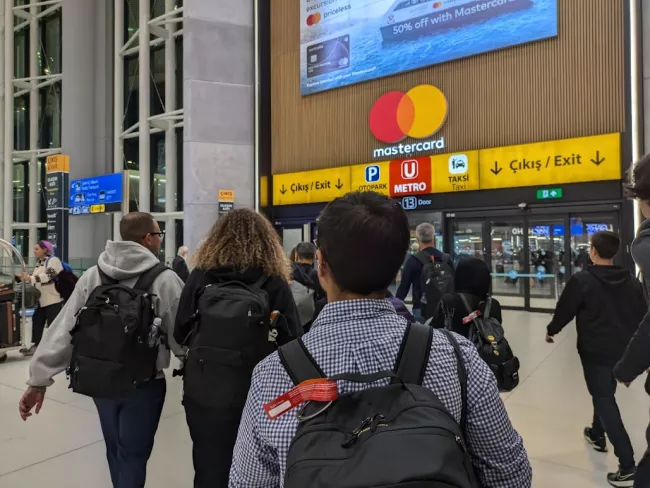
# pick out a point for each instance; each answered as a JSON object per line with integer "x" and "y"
{"x": 472, "y": 280}
{"x": 50, "y": 303}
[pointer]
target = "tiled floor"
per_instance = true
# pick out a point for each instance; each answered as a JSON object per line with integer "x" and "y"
{"x": 62, "y": 447}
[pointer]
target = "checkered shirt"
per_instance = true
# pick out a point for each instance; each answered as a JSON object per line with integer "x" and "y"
{"x": 364, "y": 336}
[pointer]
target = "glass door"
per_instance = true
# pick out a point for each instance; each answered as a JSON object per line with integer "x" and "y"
{"x": 547, "y": 270}
{"x": 582, "y": 228}
{"x": 507, "y": 263}
{"x": 467, "y": 239}
{"x": 291, "y": 236}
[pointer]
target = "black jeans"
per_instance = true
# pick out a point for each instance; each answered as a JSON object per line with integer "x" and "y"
{"x": 607, "y": 417}
{"x": 43, "y": 316}
{"x": 642, "y": 479}
{"x": 129, "y": 426}
{"x": 213, "y": 432}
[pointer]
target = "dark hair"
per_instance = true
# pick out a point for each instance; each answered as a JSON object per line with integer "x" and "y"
{"x": 135, "y": 226}
{"x": 363, "y": 238}
{"x": 306, "y": 250}
{"x": 638, "y": 184}
{"x": 606, "y": 243}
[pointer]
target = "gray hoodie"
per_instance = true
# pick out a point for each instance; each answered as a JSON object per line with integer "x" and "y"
{"x": 641, "y": 251}
{"x": 122, "y": 261}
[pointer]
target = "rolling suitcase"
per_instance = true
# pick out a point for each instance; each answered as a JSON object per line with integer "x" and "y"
{"x": 9, "y": 326}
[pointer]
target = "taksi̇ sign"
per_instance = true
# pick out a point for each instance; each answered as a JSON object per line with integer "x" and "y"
{"x": 418, "y": 113}
{"x": 595, "y": 158}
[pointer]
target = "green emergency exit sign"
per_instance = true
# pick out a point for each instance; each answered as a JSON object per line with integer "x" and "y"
{"x": 550, "y": 193}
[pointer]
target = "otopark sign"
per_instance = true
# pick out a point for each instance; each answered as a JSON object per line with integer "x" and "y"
{"x": 418, "y": 114}
{"x": 548, "y": 163}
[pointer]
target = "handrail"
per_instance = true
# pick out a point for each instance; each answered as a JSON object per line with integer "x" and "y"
{"x": 10, "y": 250}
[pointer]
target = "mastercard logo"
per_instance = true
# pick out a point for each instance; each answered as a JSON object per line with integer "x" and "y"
{"x": 314, "y": 19}
{"x": 418, "y": 113}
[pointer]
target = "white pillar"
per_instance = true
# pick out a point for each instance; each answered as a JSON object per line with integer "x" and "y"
{"x": 144, "y": 147}
{"x": 171, "y": 178}
{"x": 3, "y": 34}
{"x": 34, "y": 101}
{"x": 118, "y": 104}
{"x": 8, "y": 205}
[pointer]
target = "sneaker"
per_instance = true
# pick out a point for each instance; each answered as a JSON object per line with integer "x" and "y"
{"x": 599, "y": 444}
{"x": 621, "y": 479}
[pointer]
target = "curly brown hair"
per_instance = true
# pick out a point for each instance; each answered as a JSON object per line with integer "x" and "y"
{"x": 244, "y": 240}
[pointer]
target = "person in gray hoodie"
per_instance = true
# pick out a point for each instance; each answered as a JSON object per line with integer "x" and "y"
{"x": 636, "y": 359}
{"x": 129, "y": 424}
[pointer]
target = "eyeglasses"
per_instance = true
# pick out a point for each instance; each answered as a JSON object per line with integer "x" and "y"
{"x": 160, "y": 234}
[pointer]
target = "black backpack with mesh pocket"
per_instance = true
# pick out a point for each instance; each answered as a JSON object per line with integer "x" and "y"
{"x": 488, "y": 336}
{"x": 436, "y": 279}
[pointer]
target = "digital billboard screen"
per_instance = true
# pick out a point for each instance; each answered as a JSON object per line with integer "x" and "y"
{"x": 343, "y": 42}
{"x": 99, "y": 194}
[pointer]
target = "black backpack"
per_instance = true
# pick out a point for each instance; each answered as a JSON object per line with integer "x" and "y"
{"x": 489, "y": 338}
{"x": 232, "y": 332}
{"x": 390, "y": 436}
{"x": 116, "y": 338}
{"x": 65, "y": 281}
{"x": 437, "y": 279}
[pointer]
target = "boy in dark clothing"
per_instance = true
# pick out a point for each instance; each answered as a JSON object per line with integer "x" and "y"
{"x": 303, "y": 269}
{"x": 608, "y": 304}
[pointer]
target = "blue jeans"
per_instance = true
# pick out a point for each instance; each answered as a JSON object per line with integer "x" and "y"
{"x": 129, "y": 426}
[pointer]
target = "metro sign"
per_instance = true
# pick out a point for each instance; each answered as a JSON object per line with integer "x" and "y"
{"x": 410, "y": 176}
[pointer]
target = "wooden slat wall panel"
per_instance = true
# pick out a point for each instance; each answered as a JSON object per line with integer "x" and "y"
{"x": 570, "y": 86}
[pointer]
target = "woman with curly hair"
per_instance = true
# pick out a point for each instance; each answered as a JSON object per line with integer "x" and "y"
{"x": 241, "y": 247}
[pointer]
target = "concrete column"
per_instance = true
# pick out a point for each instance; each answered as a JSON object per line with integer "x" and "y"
{"x": 218, "y": 83}
{"x": 87, "y": 107}
{"x": 34, "y": 124}
{"x": 8, "y": 203}
{"x": 171, "y": 184}
{"x": 2, "y": 113}
{"x": 645, "y": 42}
{"x": 144, "y": 199}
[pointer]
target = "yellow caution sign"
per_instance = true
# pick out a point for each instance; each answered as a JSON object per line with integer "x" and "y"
{"x": 59, "y": 163}
{"x": 455, "y": 172}
{"x": 371, "y": 177}
{"x": 596, "y": 158}
{"x": 101, "y": 208}
{"x": 226, "y": 195}
{"x": 311, "y": 186}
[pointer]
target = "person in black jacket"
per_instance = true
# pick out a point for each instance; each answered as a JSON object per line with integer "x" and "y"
{"x": 636, "y": 359}
{"x": 608, "y": 304}
{"x": 303, "y": 268}
{"x": 244, "y": 247}
{"x": 472, "y": 279}
{"x": 179, "y": 264}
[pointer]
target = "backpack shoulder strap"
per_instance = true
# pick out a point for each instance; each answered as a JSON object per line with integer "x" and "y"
{"x": 413, "y": 356}
{"x": 147, "y": 278}
{"x": 106, "y": 280}
{"x": 423, "y": 257}
{"x": 462, "y": 375}
{"x": 488, "y": 307}
{"x": 466, "y": 304}
{"x": 298, "y": 362}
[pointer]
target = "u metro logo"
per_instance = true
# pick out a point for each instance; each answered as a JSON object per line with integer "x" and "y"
{"x": 418, "y": 113}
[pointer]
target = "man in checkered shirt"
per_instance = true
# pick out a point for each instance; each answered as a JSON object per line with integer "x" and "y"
{"x": 362, "y": 239}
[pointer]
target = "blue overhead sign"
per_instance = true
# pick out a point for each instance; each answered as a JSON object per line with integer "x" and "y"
{"x": 96, "y": 195}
